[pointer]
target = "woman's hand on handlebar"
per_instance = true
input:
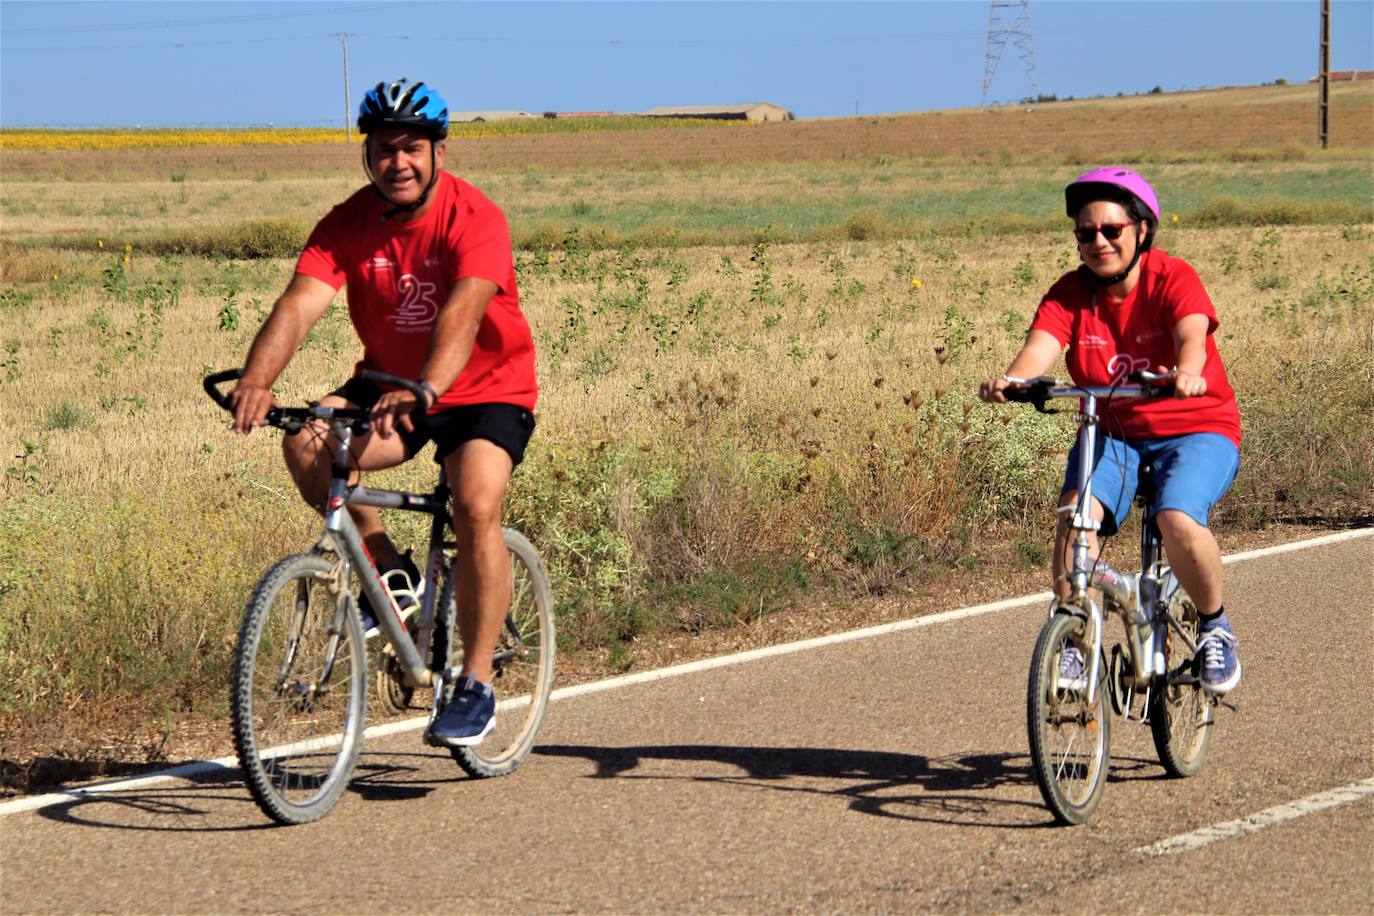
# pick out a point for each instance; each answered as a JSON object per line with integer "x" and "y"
{"x": 250, "y": 405}
{"x": 1187, "y": 385}
{"x": 991, "y": 390}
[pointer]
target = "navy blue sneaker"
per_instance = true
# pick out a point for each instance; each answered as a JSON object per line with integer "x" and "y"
{"x": 1217, "y": 661}
{"x": 406, "y": 586}
{"x": 467, "y": 719}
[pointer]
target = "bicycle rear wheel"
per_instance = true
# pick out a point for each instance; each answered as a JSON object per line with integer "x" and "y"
{"x": 523, "y": 664}
{"x": 1069, "y": 739}
{"x": 298, "y": 691}
{"x": 1180, "y": 714}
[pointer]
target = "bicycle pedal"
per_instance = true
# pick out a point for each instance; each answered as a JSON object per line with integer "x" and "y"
{"x": 1234, "y": 707}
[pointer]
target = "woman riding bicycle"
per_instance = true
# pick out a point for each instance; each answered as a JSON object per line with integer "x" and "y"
{"x": 1129, "y": 307}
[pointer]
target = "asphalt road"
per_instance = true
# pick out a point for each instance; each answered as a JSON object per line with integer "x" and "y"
{"x": 884, "y": 773}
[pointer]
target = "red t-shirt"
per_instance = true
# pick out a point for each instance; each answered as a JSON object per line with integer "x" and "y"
{"x": 1108, "y": 339}
{"x": 399, "y": 274}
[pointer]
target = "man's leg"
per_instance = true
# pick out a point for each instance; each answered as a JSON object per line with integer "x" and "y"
{"x": 478, "y": 471}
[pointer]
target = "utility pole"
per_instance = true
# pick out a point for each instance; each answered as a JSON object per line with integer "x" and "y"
{"x": 348, "y": 119}
{"x": 999, "y": 35}
{"x": 1324, "y": 75}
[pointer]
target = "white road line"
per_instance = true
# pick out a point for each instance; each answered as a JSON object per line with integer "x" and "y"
{"x": 1186, "y": 842}
{"x": 644, "y": 677}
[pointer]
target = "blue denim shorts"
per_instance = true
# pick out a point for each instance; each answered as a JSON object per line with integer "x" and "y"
{"x": 1192, "y": 473}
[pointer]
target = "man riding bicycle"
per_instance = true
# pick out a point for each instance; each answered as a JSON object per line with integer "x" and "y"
{"x": 431, "y": 287}
{"x": 1132, "y": 307}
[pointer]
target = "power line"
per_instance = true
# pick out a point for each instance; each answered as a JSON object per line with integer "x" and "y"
{"x": 513, "y": 39}
{"x": 219, "y": 20}
{"x": 157, "y": 47}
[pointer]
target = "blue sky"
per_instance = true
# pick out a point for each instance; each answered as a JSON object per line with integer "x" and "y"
{"x": 250, "y": 63}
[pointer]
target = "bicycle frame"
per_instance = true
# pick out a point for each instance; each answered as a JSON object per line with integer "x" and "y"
{"x": 1139, "y": 599}
{"x": 348, "y": 544}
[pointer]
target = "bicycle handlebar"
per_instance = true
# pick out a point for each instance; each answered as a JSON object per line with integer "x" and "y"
{"x": 1038, "y": 391}
{"x": 292, "y": 419}
{"x": 212, "y": 382}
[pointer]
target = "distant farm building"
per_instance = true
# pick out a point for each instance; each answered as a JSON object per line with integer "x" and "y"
{"x": 461, "y": 116}
{"x": 758, "y": 111}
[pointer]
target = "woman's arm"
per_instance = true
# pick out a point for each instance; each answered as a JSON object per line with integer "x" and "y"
{"x": 1038, "y": 353}
{"x": 1190, "y": 349}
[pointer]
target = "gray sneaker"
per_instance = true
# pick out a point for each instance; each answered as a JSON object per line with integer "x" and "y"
{"x": 1073, "y": 670}
{"x": 1217, "y": 660}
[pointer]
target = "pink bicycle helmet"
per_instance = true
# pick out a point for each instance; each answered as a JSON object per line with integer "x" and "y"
{"x": 1112, "y": 183}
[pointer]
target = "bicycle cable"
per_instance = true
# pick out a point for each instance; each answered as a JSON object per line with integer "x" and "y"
{"x": 1104, "y": 439}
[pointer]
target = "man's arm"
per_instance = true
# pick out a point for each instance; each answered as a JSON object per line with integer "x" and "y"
{"x": 293, "y": 315}
{"x": 450, "y": 347}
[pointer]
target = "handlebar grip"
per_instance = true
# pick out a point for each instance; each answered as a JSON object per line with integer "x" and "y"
{"x": 212, "y": 382}
{"x": 1036, "y": 393}
{"x": 395, "y": 381}
{"x": 1154, "y": 384}
{"x": 422, "y": 398}
{"x": 1024, "y": 394}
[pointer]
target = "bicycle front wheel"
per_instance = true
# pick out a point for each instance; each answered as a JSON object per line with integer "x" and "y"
{"x": 299, "y": 690}
{"x": 1181, "y": 713}
{"x": 1069, "y": 739}
{"x": 523, "y": 663}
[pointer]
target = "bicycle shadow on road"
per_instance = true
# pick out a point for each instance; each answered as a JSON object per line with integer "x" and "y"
{"x": 217, "y": 800}
{"x": 964, "y": 790}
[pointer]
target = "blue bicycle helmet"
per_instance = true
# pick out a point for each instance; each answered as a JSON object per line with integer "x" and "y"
{"x": 402, "y": 104}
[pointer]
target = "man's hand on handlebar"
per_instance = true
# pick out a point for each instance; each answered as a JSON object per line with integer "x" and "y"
{"x": 395, "y": 409}
{"x": 250, "y": 404}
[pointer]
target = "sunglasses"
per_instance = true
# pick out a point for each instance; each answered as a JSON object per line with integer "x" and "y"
{"x": 1110, "y": 231}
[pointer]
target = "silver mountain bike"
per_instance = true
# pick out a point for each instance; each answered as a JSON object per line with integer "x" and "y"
{"x": 298, "y": 693}
{"x": 1147, "y": 678}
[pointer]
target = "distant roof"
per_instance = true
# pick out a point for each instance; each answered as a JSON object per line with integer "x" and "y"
{"x": 489, "y": 115}
{"x": 1340, "y": 76}
{"x": 709, "y": 109}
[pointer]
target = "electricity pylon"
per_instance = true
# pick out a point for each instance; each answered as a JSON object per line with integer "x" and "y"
{"x": 999, "y": 36}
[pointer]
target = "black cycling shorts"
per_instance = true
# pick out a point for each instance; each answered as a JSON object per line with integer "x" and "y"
{"x": 508, "y": 425}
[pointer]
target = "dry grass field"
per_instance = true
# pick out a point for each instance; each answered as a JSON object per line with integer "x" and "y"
{"x": 725, "y": 430}
{"x": 1244, "y": 124}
